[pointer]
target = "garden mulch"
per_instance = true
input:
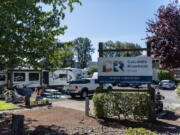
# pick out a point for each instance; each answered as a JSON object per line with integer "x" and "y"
{"x": 63, "y": 121}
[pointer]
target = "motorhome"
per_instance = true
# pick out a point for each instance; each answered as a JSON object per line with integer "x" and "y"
{"x": 41, "y": 78}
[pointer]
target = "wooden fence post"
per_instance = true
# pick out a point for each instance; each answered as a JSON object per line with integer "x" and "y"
{"x": 101, "y": 55}
{"x": 17, "y": 125}
{"x": 152, "y": 91}
{"x": 87, "y": 106}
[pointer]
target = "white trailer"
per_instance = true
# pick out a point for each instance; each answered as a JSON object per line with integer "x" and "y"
{"x": 61, "y": 77}
{"x": 25, "y": 78}
{"x": 42, "y": 78}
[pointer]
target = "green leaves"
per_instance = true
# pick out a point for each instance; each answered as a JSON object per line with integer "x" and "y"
{"x": 138, "y": 105}
{"x": 83, "y": 50}
{"x": 121, "y": 45}
{"x": 28, "y": 35}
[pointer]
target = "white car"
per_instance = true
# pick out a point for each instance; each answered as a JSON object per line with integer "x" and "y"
{"x": 83, "y": 87}
{"x": 166, "y": 84}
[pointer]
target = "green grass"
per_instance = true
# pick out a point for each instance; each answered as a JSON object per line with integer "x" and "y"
{"x": 6, "y": 106}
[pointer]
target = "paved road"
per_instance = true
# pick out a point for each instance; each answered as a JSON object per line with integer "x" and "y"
{"x": 77, "y": 104}
{"x": 171, "y": 101}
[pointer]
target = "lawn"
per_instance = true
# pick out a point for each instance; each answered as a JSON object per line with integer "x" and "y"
{"x": 6, "y": 106}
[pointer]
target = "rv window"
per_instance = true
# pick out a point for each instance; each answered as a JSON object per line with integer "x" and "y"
{"x": 62, "y": 75}
{"x": 2, "y": 77}
{"x": 33, "y": 76}
{"x": 19, "y": 77}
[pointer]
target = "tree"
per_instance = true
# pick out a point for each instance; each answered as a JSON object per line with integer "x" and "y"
{"x": 164, "y": 37}
{"x": 83, "y": 50}
{"x": 92, "y": 69}
{"x": 67, "y": 58}
{"x": 28, "y": 34}
{"x": 121, "y": 45}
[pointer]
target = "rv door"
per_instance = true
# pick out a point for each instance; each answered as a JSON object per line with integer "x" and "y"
{"x": 46, "y": 77}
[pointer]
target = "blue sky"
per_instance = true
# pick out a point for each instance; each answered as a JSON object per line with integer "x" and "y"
{"x": 116, "y": 20}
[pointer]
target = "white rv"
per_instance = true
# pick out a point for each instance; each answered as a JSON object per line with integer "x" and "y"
{"x": 24, "y": 78}
{"x": 61, "y": 77}
{"x": 41, "y": 78}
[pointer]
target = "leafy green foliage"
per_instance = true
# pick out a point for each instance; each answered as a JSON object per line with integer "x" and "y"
{"x": 68, "y": 58}
{"x": 99, "y": 104}
{"x": 28, "y": 34}
{"x": 121, "y": 45}
{"x": 66, "y": 55}
{"x": 92, "y": 69}
{"x": 45, "y": 101}
{"x": 178, "y": 91}
{"x": 83, "y": 50}
{"x": 111, "y": 104}
{"x": 163, "y": 75}
{"x": 139, "y": 131}
{"x": 6, "y": 106}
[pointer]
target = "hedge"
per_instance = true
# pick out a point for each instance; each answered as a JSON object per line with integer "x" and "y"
{"x": 139, "y": 131}
{"x": 163, "y": 75}
{"x": 138, "y": 105}
{"x": 178, "y": 91}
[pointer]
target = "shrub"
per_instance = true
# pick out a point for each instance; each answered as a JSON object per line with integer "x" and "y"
{"x": 92, "y": 69}
{"x": 110, "y": 104}
{"x": 163, "y": 75}
{"x": 99, "y": 104}
{"x": 178, "y": 91}
{"x": 45, "y": 101}
{"x": 139, "y": 131}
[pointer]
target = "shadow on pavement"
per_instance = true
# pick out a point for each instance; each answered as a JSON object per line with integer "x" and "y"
{"x": 81, "y": 99}
{"x": 166, "y": 124}
{"x": 30, "y": 129}
{"x": 5, "y": 124}
{"x": 50, "y": 130}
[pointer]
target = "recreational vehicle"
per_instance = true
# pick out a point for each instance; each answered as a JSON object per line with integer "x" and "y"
{"x": 41, "y": 78}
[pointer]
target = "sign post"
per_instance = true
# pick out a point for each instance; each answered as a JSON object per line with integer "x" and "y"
{"x": 134, "y": 70}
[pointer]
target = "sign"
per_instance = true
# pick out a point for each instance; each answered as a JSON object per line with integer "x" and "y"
{"x": 133, "y": 70}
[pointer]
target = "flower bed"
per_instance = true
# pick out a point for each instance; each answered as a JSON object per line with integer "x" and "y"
{"x": 39, "y": 103}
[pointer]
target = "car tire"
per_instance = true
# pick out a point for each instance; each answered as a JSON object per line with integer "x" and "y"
{"x": 84, "y": 94}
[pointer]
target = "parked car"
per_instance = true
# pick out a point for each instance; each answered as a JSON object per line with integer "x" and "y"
{"x": 83, "y": 87}
{"x": 166, "y": 84}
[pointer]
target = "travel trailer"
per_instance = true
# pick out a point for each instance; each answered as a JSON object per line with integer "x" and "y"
{"x": 61, "y": 77}
{"x": 24, "y": 78}
{"x": 41, "y": 78}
